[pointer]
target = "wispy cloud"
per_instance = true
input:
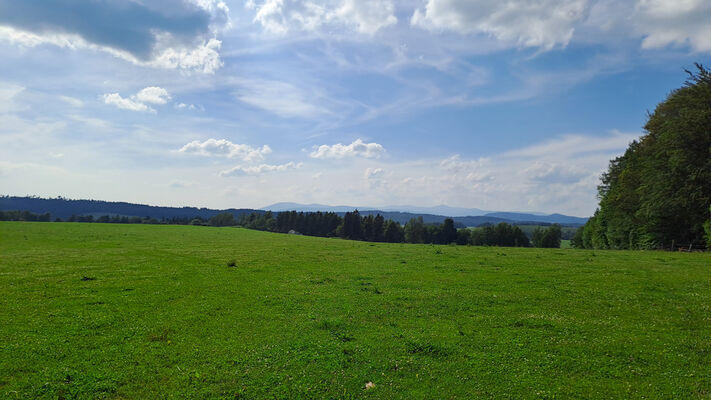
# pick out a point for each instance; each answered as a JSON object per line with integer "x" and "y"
{"x": 259, "y": 169}
{"x": 281, "y": 98}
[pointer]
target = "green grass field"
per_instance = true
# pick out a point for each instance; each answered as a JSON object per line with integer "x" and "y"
{"x": 138, "y": 311}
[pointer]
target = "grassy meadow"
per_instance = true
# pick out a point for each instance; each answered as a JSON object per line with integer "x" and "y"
{"x": 101, "y": 311}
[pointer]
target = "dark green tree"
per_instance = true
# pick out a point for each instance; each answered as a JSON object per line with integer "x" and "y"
{"x": 547, "y": 238}
{"x": 379, "y": 228}
{"x": 577, "y": 240}
{"x": 223, "y": 219}
{"x": 415, "y": 231}
{"x": 659, "y": 191}
{"x": 394, "y": 232}
{"x": 449, "y": 232}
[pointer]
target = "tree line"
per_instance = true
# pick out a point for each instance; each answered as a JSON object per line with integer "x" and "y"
{"x": 24, "y": 216}
{"x": 376, "y": 228}
{"x": 351, "y": 226}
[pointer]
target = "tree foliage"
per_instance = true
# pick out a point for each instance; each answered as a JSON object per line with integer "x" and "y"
{"x": 659, "y": 191}
{"x": 547, "y": 238}
{"x": 502, "y": 234}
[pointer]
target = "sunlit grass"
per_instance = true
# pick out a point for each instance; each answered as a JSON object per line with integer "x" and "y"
{"x": 135, "y": 311}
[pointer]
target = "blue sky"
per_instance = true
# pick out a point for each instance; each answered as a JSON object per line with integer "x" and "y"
{"x": 512, "y": 106}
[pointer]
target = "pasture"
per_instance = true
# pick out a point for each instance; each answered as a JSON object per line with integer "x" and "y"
{"x": 101, "y": 311}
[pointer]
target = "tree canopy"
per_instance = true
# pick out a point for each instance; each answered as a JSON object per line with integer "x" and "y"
{"x": 659, "y": 191}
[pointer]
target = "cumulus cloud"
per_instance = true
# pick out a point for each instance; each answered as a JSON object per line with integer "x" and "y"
{"x": 154, "y": 95}
{"x": 167, "y": 33}
{"x": 259, "y": 169}
{"x": 137, "y": 102}
{"x": 225, "y": 148}
{"x": 280, "y": 17}
{"x": 356, "y": 149}
{"x": 543, "y": 24}
{"x": 547, "y": 24}
{"x": 125, "y": 103}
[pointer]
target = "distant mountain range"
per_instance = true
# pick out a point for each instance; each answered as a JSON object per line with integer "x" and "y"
{"x": 436, "y": 210}
{"x": 466, "y": 216}
{"x": 65, "y": 208}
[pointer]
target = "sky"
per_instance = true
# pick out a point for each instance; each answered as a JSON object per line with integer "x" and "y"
{"x": 499, "y": 105}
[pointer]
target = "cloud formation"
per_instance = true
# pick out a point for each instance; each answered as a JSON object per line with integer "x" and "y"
{"x": 125, "y": 103}
{"x": 547, "y": 24}
{"x": 281, "y": 98}
{"x": 137, "y": 102}
{"x": 225, "y": 148}
{"x": 546, "y": 172}
{"x": 280, "y": 17}
{"x": 472, "y": 170}
{"x": 153, "y": 95}
{"x": 674, "y": 22}
{"x": 544, "y": 24}
{"x": 356, "y": 149}
{"x": 167, "y": 33}
{"x": 259, "y": 169}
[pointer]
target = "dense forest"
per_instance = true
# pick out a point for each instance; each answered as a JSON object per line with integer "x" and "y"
{"x": 658, "y": 194}
{"x": 376, "y": 228}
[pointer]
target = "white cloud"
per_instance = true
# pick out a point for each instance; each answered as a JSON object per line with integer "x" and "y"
{"x": 203, "y": 57}
{"x": 280, "y": 17}
{"x": 547, "y": 24}
{"x": 356, "y": 149}
{"x": 183, "y": 106}
{"x": 375, "y": 178}
{"x": 225, "y": 148}
{"x": 125, "y": 103}
{"x": 153, "y": 95}
{"x": 137, "y": 102}
{"x": 474, "y": 168}
{"x": 674, "y": 22}
{"x": 259, "y": 169}
{"x": 544, "y": 24}
{"x": 367, "y": 16}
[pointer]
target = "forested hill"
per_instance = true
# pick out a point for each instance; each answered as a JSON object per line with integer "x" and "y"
{"x": 65, "y": 208}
